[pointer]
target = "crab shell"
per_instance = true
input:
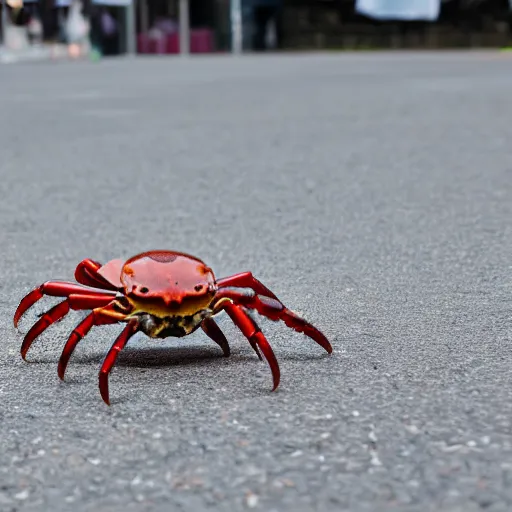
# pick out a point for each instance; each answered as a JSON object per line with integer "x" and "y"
{"x": 170, "y": 292}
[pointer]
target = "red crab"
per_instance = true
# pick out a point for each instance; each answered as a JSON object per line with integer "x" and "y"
{"x": 161, "y": 293}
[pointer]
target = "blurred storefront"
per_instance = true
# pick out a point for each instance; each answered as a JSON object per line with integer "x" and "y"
{"x": 106, "y": 19}
{"x": 261, "y": 24}
{"x": 210, "y": 25}
{"x": 338, "y": 24}
{"x": 157, "y": 26}
{"x": 153, "y": 26}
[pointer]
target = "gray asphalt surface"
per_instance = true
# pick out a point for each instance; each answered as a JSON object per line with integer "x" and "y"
{"x": 371, "y": 192}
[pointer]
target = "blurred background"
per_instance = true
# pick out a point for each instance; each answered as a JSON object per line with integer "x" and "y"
{"x": 118, "y": 27}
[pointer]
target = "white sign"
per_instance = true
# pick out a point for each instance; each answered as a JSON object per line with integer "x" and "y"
{"x": 399, "y": 9}
{"x": 110, "y": 3}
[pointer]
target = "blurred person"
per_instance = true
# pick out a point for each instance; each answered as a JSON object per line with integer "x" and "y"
{"x": 17, "y": 13}
{"x": 109, "y": 32}
{"x": 76, "y": 28}
{"x": 14, "y": 9}
{"x": 267, "y": 24}
{"x": 35, "y": 29}
{"x": 14, "y": 37}
{"x": 95, "y": 32}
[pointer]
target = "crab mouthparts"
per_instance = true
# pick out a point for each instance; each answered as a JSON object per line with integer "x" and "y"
{"x": 171, "y": 302}
{"x": 176, "y": 326}
{"x": 170, "y": 305}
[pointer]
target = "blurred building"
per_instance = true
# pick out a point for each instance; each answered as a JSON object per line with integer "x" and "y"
{"x": 283, "y": 24}
{"x": 321, "y": 24}
{"x": 210, "y": 22}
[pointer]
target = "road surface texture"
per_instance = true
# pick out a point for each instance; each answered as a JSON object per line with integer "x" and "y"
{"x": 371, "y": 192}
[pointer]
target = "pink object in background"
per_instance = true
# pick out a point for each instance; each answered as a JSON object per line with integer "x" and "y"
{"x": 201, "y": 41}
{"x": 173, "y": 43}
{"x": 143, "y": 43}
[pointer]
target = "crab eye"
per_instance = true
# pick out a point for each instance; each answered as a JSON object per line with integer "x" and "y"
{"x": 198, "y": 287}
{"x": 144, "y": 290}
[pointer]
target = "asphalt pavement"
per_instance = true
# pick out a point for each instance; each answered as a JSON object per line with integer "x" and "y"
{"x": 371, "y": 192}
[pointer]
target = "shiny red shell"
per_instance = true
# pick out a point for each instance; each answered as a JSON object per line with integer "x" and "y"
{"x": 167, "y": 275}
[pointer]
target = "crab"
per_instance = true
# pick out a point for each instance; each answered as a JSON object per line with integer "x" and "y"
{"x": 162, "y": 294}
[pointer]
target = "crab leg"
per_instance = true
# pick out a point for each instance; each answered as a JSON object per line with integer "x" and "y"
{"x": 55, "y": 289}
{"x": 247, "y": 280}
{"x": 80, "y": 301}
{"x": 275, "y": 311}
{"x": 219, "y": 306}
{"x": 99, "y": 316}
{"x": 253, "y": 345}
{"x": 51, "y": 316}
{"x": 212, "y": 330}
{"x": 130, "y": 329}
{"x": 58, "y": 312}
{"x": 87, "y": 273}
{"x": 252, "y": 332}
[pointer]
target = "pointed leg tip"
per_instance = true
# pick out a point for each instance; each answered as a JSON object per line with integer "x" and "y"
{"x": 17, "y": 317}
{"x": 277, "y": 380}
{"x": 104, "y": 388}
{"x": 323, "y": 342}
{"x": 23, "y": 356}
{"x": 105, "y": 396}
{"x": 257, "y": 351}
{"x": 60, "y": 373}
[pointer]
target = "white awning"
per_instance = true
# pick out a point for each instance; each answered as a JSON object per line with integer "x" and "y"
{"x": 111, "y": 3}
{"x": 406, "y": 10}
